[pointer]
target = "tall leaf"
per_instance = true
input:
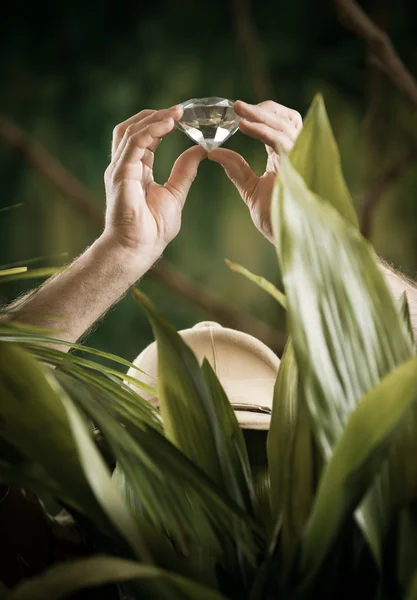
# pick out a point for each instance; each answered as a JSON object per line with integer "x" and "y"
{"x": 346, "y": 329}
{"x": 191, "y": 417}
{"x": 157, "y": 478}
{"x": 233, "y": 457}
{"x": 65, "y": 579}
{"x": 316, "y": 157}
{"x": 358, "y": 456}
{"x": 292, "y": 460}
{"x": 187, "y": 410}
{"x": 263, "y": 283}
{"x": 45, "y": 429}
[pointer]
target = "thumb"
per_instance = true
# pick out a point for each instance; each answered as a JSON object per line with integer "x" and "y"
{"x": 184, "y": 172}
{"x": 236, "y": 168}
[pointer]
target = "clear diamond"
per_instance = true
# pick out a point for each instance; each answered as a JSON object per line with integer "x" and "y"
{"x": 209, "y": 121}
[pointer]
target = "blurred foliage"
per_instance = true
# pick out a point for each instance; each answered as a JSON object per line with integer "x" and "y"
{"x": 71, "y": 71}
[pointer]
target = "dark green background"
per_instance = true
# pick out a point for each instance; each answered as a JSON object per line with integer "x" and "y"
{"x": 71, "y": 71}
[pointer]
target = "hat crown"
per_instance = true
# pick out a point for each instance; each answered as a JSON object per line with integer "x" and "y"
{"x": 245, "y": 366}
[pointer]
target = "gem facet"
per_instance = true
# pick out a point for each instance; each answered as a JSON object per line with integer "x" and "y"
{"x": 209, "y": 121}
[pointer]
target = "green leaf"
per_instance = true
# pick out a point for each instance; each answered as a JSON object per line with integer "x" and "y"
{"x": 346, "y": 329}
{"x": 39, "y": 422}
{"x": 99, "y": 478}
{"x": 186, "y": 407}
{"x": 293, "y": 461}
{"x": 33, "y": 274}
{"x": 156, "y": 478}
{"x": 191, "y": 419}
{"x": 231, "y": 448}
{"x": 30, "y": 261}
{"x": 358, "y": 456}
{"x": 18, "y": 332}
{"x": 260, "y": 281}
{"x": 65, "y": 579}
{"x": 5, "y": 272}
{"x": 61, "y": 358}
{"x": 345, "y": 326}
{"x": 11, "y": 207}
{"x": 316, "y": 158}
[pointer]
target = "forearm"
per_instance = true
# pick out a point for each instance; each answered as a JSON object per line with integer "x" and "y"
{"x": 71, "y": 302}
{"x": 399, "y": 284}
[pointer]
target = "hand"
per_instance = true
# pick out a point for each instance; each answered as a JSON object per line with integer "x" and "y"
{"x": 275, "y": 125}
{"x": 142, "y": 216}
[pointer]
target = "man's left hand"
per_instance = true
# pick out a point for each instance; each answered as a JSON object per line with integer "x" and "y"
{"x": 274, "y": 125}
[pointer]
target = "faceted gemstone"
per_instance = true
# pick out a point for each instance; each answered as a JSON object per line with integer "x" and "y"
{"x": 209, "y": 121}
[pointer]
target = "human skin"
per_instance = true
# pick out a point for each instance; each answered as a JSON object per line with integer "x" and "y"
{"x": 278, "y": 126}
{"x": 142, "y": 217}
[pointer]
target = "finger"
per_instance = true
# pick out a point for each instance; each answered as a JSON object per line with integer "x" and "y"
{"x": 279, "y": 109}
{"x": 237, "y": 169}
{"x": 148, "y": 157}
{"x": 141, "y": 120}
{"x": 267, "y": 135}
{"x": 129, "y": 161}
{"x": 263, "y": 114}
{"x": 119, "y": 130}
{"x": 174, "y": 112}
{"x": 184, "y": 172}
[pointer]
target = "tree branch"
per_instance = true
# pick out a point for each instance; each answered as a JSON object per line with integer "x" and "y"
{"x": 246, "y": 34}
{"x": 380, "y": 46}
{"x": 86, "y": 204}
{"x": 40, "y": 159}
{"x": 384, "y": 57}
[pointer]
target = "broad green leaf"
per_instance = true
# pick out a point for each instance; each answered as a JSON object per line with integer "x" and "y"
{"x": 35, "y": 422}
{"x": 293, "y": 461}
{"x": 231, "y": 448}
{"x": 358, "y": 456}
{"x": 33, "y": 274}
{"x": 234, "y": 463}
{"x": 40, "y": 351}
{"x": 187, "y": 409}
{"x": 17, "y": 332}
{"x": 316, "y": 158}
{"x": 191, "y": 419}
{"x": 260, "y": 281}
{"x": 346, "y": 329}
{"x": 114, "y": 393}
{"x": 158, "y": 479}
{"x": 345, "y": 326}
{"x": 99, "y": 478}
{"x": 65, "y": 579}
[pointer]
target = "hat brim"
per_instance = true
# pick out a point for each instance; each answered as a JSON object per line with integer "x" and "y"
{"x": 251, "y": 420}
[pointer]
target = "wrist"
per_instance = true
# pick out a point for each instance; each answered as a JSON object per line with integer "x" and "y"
{"x": 131, "y": 264}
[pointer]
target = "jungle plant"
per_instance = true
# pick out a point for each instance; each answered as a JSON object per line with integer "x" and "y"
{"x": 183, "y": 514}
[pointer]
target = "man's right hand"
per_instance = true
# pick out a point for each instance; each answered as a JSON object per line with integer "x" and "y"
{"x": 143, "y": 216}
